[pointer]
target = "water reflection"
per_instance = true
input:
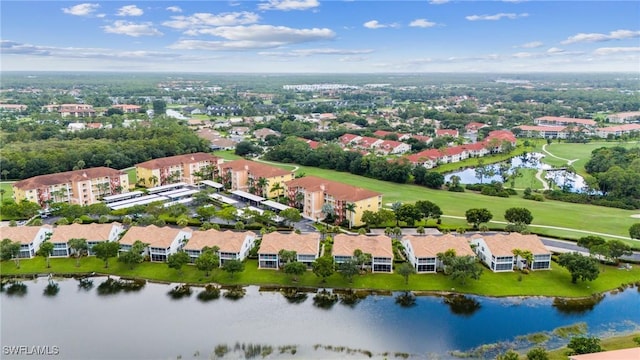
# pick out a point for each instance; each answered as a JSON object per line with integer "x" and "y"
{"x": 576, "y": 306}
{"x": 462, "y": 305}
{"x": 373, "y": 323}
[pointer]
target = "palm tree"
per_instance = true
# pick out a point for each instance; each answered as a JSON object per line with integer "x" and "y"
{"x": 526, "y": 255}
{"x": 350, "y": 208}
{"x": 327, "y": 209}
{"x": 2, "y": 192}
{"x": 261, "y": 186}
{"x": 153, "y": 180}
{"x": 80, "y": 247}
{"x": 276, "y": 188}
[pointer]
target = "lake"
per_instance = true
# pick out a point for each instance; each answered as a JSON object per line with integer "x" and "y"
{"x": 149, "y": 324}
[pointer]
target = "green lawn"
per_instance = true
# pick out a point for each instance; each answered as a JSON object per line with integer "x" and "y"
{"x": 8, "y": 190}
{"x": 608, "y": 344}
{"x": 227, "y": 155}
{"x": 556, "y": 282}
{"x": 131, "y": 172}
{"x": 551, "y": 213}
{"x": 582, "y": 152}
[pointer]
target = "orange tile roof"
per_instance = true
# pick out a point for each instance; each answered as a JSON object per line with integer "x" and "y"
{"x": 622, "y": 354}
{"x": 302, "y": 244}
{"x": 23, "y": 234}
{"x": 89, "y": 232}
{"x": 153, "y": 235}
{"x": 555, "y": 119}
{"x": 255, "y": 168}
{"x": 540, "y": 128}
{"x": 338, "y": 190}
{"x": 227, "y": 241}
{"x": 178, "y": 160}
{"x": 504, "y": 244}
{"x": 625, "y": 127}
{"x": 430, "y": 245}
{"x": 66, "y": 177}
{"x": 377, "y": 245}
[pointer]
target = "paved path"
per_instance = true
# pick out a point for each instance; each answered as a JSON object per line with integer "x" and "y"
{"x": 539, "y": 177}
{"x": 556, "y": 228}
{"x": 569, "y": 162}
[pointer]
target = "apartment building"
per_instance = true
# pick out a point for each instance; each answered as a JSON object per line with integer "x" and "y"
{"x": 174, "y": 169}
{"x": 254, "y": 177}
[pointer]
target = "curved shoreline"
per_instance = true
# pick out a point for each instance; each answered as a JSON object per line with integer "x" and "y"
{"x": 310, "y": 288}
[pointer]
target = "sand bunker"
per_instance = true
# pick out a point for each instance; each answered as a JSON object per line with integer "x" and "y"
{"x": 637, "y": 216}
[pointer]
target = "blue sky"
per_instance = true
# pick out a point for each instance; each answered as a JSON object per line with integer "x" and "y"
{"x": 315, "y": 36}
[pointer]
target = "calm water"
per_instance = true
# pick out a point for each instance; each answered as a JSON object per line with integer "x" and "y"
{"x": 532, "y": 161}
{"x": 150, "y": 325}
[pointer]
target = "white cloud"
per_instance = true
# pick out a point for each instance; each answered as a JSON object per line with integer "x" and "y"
{"x": 130, "y": 10}
{"x": 311, "y": 52}
{"x": 375, "y": 24}
{"x": 132, "y": 29}
{"x": 495, "y": 17}
{"x": 615, "y": 50}
{"x": 531, "y": 45}
{"x": 597, "y": 37}
{"x": 174, "y": 9}
{"x": 438, "y": 2}
{"x": 254, "y": 37}
{"x": 81, "y": 9}
{"x": 522, "y": 55}
{"x": 287, "y": 5}
{"x": 555, "y": 50}
{"x": 200, "y": 20}
{"x": 423, "y": 23}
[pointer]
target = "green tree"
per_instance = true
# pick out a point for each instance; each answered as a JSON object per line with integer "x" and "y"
{"x": 159, "y": 108}
{"x": 208, "y": 260}
{"x": 526, "y": 255}
{"x": 291, "y": 215}
{"x": 348, "y": 269}
{"x": 227, "y": 213}
{"x": 408, "y": 213}
{"x": 634, "y": 231}
{"x": 105, "y": 250}
{"x": 538, "y": 353}
{"x": 404, "y": 270}
{"x": 10, "y": 250}
{"x": 361, "y": 258}
{"x": 518, "y": 216}
{"x": 277, "y": 188}
{"x": 134, "y": 255}
{"x": 350, "y": 208}
{"x": 461, "y": 268}
{"x": 428, "y": 209}
{"x": 370, "y": 218}
{"x": 295, "y": 269}
{"x": 509, "y": 355}
{"x": 618, "y": 249}
{"x": 323, "y": 267}
{"x": 584, "y": 345}
{"x": 287, "y": 256}
{"x": 46, "y": 250}
{"x": 233, "y": 267}
{"x": 581, "y": 267}
{"x": 79, "y": 247}
{"x": 590, "y": 242}
{"x": 478, "y": 216}
{"x": 178, "y": 260}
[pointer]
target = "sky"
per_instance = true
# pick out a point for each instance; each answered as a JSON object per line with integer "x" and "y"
{"x": 321, "y": 36}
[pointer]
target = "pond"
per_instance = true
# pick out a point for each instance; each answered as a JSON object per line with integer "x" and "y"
{"x": 561, "y": 178}
{"x": 149, "y": 324}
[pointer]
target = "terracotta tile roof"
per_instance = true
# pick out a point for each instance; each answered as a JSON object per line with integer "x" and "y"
{"x": 67, "y": 177}
{"x": 377, "y": 246}
{"x": 178, "y": 160}
{"x": 367, "y": 141}
{"x": 382, "y": 133}
{"x": 302, "y": 244}
{"x": 431, "y": 154}
{"x": 475, "y": 126}
{"x": 622, "y": 354}
{"x": 430, "y": 245}
{"x": 153, "y": 235}
{"x": 540, "y": 128}
{"x": 23, "y": 234}
{"x": 338, "y": 190}
{"x": 475, "y": 146}
{"x": 208, "y": 134}
{"x": 555, "y": 119}
{"x": 422, "y": 138}
{"x": 625, "y": 127}
{"x": 255, "y": 168}
{"x": 504, "y": 244}
{"x": 390, "y": 144}
{"x": 501, "y": 135}
{"x": 89, "y": 232}
{"x": 347, "y": 138}
{"x": 450, "y": 132}
{"x": 227, "y": 241}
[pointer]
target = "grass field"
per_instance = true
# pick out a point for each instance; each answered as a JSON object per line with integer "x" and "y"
{"x": 551, "y": 213}
{"x": 582, "y": 152}
{"x": 608, "y": 344}
{"x": 556, "y": 282}
{"x": 8, "y": 190}
{"x": 227, "y": 154}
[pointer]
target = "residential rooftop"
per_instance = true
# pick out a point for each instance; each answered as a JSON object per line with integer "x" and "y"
{"x": 432, "y": 245}
{"x": 338, "y": 190}
{"x": 67, "y": 177}
{"x": 376, "y": 245}
{"x": 226, "y": 241}
{"x": 306, "y": 244}
{"x": 155, "y": 236}
{"x": 89, "y": 232}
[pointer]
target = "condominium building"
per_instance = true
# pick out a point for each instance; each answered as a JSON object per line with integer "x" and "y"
{"x": 82, "y": 187}
{"x": 347, "y": 202}
{"x": 254, "y": 177}
{"x": 188, "y": 168}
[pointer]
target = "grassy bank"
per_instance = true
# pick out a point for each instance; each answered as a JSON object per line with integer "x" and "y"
{"x": 556, "y": 282}
{"x": 608, "y": 344}
{"x": 549, "y": 213}
{"x": 579, "y": 152}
